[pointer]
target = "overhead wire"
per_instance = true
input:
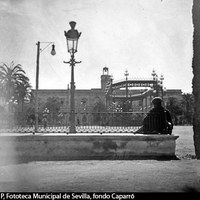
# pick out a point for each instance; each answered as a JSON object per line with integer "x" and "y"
{"x": 58, "y": 75}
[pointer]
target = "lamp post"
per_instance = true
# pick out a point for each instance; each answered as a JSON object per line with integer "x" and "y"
{"x": 72, "y": 37}
{"x": 155, "y": 78}
{"x": 53, "y": 52}
{"x": 126, "y": 74}
{"x": 161, "y": 83}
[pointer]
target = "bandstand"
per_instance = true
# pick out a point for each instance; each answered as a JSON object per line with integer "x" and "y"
{"x": 133, "y": 94}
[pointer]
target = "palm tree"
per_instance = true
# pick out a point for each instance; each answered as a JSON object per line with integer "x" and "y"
{"x": 196, "y": 77}
{"x": 14, "y": 84}
{"x": 23, "y": 93}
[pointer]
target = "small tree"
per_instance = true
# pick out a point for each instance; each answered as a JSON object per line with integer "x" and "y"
{"x": 188, "y": 107}
{"x": 175, "y": 109}
{"x": 99, "y": 113}
{"x": 127, "y": 118}
{"x": 53, "y": 105}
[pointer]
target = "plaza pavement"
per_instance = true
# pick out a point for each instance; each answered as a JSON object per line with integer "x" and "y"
{"x": 101, "y": 176}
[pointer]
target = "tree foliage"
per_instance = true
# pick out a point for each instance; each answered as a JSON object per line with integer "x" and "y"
{"x": 99, "y": 113}
{"x": 188, "y": 107}
{"x": 14, "y": 84}
{"x": 175, "y": 109}
{"x": 53, "y": 105}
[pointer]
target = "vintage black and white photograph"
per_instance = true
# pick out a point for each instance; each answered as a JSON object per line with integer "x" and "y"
{"x": 99, "y": 96}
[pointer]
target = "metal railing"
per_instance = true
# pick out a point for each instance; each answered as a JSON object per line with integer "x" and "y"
{"x": 101, "y": 122}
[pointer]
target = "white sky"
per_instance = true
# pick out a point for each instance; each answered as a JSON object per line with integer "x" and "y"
{"x": 137, "y": 35}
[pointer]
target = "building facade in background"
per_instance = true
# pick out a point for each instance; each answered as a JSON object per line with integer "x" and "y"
{"x": 125, "y": 99}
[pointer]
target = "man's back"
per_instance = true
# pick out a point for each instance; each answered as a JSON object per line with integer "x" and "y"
{"x": 158, "y": 120}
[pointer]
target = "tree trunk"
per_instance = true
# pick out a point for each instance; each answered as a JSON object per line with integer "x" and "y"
{"x": 196, "y": 77}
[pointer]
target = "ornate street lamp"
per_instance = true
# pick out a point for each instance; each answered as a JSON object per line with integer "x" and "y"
{"x": 53, "y": 52}
{"x": 72, "y": 37}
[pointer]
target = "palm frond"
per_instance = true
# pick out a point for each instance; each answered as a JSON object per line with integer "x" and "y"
{"x": 13, "y": 81}
{"x": 4, "y": 68}
{"x": 18, "y": 69}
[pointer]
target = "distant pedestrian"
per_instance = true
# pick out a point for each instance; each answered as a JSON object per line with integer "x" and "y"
{"x": 78, "y": 121}
{"x": 31, "y": 120}
{"x": 44, "y": 122}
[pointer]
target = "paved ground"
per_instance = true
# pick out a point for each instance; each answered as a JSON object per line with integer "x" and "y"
{"x": 101, "y": 176}
{"x": 108, "y": 176}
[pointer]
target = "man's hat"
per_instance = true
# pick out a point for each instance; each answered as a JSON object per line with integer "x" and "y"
{"x": 156, "y": 100}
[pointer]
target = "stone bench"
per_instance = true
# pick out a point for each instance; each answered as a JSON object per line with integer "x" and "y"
{"x": 46, "y": 147}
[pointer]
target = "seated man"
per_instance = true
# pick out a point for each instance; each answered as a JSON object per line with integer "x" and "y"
{"x": 158, "y": 120}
